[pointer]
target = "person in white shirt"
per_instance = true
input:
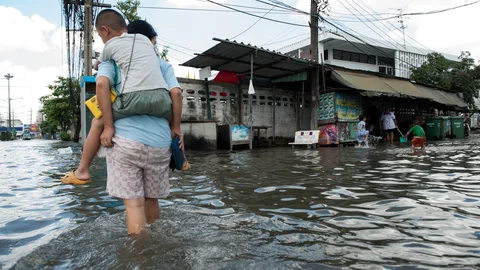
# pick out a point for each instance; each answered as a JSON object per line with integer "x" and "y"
{"x": 389, "y": 124}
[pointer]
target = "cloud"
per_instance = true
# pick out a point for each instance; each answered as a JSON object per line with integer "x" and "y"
{"x": 27, "y": 86}
{"x": 23, "y": 32}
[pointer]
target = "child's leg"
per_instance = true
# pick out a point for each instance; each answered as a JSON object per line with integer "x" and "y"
{"x": 152, "y": 210}
{"x": 136, "y": 219}
{"x": 90, "y": 149}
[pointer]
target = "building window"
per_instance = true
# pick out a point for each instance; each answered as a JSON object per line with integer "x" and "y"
{"x": 325, "y": 55}
{"x": 354, "y": 57}
{"x": 385, "y": 70}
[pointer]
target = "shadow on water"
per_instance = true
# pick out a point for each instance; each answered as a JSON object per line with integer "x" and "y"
{"x": 381, "y": 207}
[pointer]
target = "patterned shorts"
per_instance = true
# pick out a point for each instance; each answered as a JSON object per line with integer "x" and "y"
{"x": 135, "y": 170}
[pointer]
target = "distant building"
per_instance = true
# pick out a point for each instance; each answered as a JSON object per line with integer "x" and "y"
{"x": 380, "y": 56}
{"x": 16, "y": 123}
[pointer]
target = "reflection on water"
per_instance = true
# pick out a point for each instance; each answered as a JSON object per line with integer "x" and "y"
{"x": 267, "y": 209}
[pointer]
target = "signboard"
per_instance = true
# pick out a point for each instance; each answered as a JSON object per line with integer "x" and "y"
{"x": 239, "y": 133}
{"x": 34, "y": 128}
{"x": 205, "y": 73}
{"x": 328, "y": 134}
{"x": 326, "y": 105}
{"x": 348, "y": 106}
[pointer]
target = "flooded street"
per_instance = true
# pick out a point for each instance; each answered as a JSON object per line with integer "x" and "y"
{"x": 275, "y": 208}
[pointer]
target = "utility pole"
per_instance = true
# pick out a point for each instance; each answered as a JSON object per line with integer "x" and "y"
{"x": 87, "y": 32}
{"x": 8, "y": 76}
{"x": 87, "y": 38}
{"x": 314, "y": 56}
{"x": 402, "y": 27}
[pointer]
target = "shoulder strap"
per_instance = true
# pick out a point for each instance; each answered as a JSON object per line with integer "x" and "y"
{"x": 129, "y": 63}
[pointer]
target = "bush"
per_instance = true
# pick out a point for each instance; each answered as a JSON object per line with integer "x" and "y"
{"x": 64, "y": 136}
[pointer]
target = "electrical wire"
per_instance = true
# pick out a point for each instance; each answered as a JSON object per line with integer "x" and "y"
{"x": 209, "y": 10}
{"x": 250, "y": 14}
{"x": 250, "y": 27}
{"x": 304, "y": 34}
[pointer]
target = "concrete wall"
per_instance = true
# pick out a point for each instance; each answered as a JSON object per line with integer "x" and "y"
{"x": 200, "y": 135}
{"x": 225, "y": 107}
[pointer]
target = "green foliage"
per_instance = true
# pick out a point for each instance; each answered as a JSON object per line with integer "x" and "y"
{"x": 163, "y": 54}
{"x": 64, "y": 136}
{"x": 49, "y": 127}
{"x": 129, "y": 9}
{"x": 62, "y": 107}
{"x": 462, "y": 77}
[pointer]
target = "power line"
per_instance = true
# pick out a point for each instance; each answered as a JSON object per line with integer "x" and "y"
{"x": 250, "y": 27}
{"x": 279, "y": 12}
{"x": 280, "y": 41}
{"x": 265, "y": 18}
{"x": 381, "y": 36}
{"x": 279, "y": 34}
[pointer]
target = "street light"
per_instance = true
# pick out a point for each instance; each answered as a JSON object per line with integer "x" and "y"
{"x": 8, "y": 76}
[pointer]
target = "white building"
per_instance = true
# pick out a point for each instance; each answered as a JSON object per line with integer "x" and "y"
{"x": 379, "y": 56}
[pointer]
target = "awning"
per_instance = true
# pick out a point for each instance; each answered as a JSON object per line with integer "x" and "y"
{"x": 235, "y": 57}
{"x": 362, "y": 81}
{"x": 373, "y": 85}
{"x": 442, "y": 97}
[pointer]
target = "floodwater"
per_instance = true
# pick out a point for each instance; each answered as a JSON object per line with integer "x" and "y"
{"x": 376, "y": 208}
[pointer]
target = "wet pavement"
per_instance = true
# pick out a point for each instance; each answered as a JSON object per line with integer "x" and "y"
{"x": 279, "y": 208}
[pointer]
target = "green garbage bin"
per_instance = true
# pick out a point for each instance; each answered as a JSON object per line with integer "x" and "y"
{"x": 457, "y": 127}
{"x": 433, "y": 128}
{"x": 443, "y": 126}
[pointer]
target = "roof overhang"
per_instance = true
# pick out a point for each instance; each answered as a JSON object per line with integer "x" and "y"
{"x": 373, "y": 85}
{"x": 235, "y": 57}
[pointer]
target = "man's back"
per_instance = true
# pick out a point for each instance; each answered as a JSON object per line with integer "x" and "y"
{"x": 143, "y": 70}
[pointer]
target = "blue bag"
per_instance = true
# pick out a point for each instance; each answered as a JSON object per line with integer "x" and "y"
{"x": 176, "y": 161}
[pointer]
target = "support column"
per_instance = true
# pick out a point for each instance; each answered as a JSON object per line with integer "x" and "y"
{"x": 275, "y": 105}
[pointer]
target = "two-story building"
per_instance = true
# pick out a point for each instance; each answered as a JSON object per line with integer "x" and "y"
{"x": 381, "y": 56}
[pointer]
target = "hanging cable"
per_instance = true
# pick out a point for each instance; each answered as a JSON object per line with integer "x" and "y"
{"x": 250, "y": 27}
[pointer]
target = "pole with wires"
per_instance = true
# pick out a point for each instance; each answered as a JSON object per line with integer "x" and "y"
{"x": 8, "y": 76}
{"x": 314, "y": 56}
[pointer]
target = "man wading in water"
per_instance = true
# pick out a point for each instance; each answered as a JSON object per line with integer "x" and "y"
{"x": 138, "y": 153}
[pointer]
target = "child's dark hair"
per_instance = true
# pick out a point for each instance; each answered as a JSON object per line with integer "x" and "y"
{"x": 361, "y": 117}
{"x": 112, "y": 19}
{"x": 141, "y": 27}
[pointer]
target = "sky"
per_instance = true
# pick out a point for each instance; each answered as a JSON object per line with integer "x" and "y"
{"x": 33, "y": 50}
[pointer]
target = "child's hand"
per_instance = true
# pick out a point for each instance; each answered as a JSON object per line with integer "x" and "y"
{"x": 106, "y": 136}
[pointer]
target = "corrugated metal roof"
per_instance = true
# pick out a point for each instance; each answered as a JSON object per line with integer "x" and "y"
{"x": 235, "y": 57}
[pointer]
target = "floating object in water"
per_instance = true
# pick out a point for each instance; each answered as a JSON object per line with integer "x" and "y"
{"x": 67, "y": 150}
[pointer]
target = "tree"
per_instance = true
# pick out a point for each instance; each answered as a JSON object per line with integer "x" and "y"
{"x": 129, "y": 9}
{"x": 462, "y": 77}
{"x": 62, "y": 107}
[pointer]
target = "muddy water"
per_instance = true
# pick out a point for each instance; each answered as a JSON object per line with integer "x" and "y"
{"x": 268, "y": 209}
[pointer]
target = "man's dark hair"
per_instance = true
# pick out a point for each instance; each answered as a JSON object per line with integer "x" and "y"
{"x": 361, "y": 117}
{"x": 141, "y": 27}
{"x": 112, "y": 19}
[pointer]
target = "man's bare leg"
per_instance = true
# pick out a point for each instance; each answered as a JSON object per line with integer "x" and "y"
{"x": 152, "y": 210}
{"x": 136, "y": 219}
{"x": 90, "y": 149}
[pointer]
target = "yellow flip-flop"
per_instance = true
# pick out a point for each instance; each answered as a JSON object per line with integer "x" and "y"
{"x": 73, "y": 180}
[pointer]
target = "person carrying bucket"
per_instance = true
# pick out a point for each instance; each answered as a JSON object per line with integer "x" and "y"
{"x": 419, "y": 137}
